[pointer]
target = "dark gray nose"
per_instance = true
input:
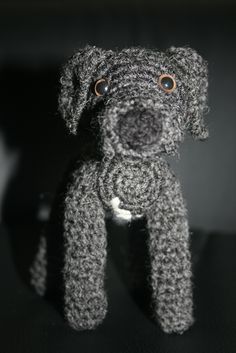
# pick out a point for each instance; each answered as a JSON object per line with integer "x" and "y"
{"x": 139, "y": 129}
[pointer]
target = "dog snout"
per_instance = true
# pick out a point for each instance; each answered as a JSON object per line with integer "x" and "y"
{"x": 138, "y": 129}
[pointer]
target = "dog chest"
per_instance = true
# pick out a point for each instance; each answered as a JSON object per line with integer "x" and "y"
{"x": 134, "y": 182}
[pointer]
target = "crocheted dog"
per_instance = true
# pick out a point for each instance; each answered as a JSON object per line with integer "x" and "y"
{"x": 143, "y": 102}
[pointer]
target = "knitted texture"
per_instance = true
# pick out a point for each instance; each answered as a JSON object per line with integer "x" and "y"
{"x": 139, "y": 117}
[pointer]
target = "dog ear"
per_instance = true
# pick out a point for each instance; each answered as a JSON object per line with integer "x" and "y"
{"x": 194, "y": 75}
{"x": 76, "y": 79}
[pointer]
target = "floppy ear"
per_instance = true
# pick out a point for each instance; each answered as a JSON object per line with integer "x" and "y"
{"x": 194, "y": 75}
{"x": 75, "y": 83}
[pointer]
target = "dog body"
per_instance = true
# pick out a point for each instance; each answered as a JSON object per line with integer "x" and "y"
{"x": 143, "y": 101}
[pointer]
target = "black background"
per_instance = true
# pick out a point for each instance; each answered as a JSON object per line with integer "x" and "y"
{"x": 35, "y": 40}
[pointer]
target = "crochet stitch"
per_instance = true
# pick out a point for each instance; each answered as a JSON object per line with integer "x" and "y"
{"x": 140, "y": 117}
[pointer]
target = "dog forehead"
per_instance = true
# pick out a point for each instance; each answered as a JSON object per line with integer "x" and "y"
{"x": 135, "y": 62}
{"x": 138, "y": 61}
{"x": 138, "y": 52}
{"x": 138, "y": 56}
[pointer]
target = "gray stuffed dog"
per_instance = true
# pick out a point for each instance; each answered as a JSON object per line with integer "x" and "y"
{"x": 143, "y": 102}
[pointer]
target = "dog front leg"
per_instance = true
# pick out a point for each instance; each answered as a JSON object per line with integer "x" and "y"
{"x": 170, "y": 261}
{"x": 85, "y": 259}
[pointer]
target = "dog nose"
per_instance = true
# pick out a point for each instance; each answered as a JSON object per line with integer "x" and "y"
{"x": 139, "y": 129}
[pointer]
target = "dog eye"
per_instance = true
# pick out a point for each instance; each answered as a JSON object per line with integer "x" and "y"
{"x": 101, "y": 87}
{"x": 167, "y": 83}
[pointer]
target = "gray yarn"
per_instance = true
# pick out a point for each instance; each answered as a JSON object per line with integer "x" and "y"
{"x": 138, "y": 123}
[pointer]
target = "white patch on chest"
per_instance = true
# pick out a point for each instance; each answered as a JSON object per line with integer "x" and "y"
{"x": 120, "y": 213}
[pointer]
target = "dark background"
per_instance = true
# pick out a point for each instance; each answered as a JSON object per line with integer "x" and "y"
{"x": 36, "y": 37}
{"x": 35, "y": 40}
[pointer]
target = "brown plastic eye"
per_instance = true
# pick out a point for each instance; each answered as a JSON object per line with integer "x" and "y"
{"x": 167, "y": 83}
{"x": 101, "y": 87}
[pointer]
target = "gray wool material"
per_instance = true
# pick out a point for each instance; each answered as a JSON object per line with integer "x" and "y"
{"x": 140, "y": 121}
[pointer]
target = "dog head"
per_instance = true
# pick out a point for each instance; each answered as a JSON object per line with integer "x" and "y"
{"x": 143, "y": 100}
